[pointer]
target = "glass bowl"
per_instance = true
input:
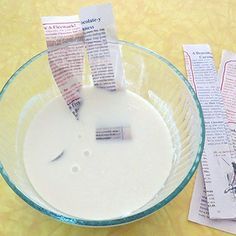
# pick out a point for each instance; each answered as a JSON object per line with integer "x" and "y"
{"x": 147, "y": 74}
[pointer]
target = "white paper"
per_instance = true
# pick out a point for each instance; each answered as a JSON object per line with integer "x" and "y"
{"x": 66, "y": 56}
{"x": 102, "y": 48}
{"x": 198, "y": 211}
{"x": 227, "y": 77}
{"x": 216, "y": 159}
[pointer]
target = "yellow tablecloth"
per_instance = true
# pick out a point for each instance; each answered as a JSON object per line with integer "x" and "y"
{"x": 161, "y": 25}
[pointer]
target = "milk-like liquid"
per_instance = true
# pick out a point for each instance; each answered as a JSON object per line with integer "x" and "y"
{"x": 95, "y": 179}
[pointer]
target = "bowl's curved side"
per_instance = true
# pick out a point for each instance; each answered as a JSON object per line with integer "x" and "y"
{"x": 124, "y": 220}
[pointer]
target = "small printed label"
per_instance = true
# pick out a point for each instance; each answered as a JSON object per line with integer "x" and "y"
{"x": 113, "y": 133}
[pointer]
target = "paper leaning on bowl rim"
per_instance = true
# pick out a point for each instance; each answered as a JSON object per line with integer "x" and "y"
{"x": 68, "y": 38}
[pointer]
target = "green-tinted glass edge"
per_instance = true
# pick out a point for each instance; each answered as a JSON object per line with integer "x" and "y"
{"x": 124, "y": 220}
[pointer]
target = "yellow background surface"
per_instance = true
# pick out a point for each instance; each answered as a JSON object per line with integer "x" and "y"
{"x": 161, "y": 25}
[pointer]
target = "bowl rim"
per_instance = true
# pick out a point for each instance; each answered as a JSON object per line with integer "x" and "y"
{"x": 126, "y": 219}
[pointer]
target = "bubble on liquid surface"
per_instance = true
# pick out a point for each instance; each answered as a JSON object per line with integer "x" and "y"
{"x": 87, "y": 153}
{"x": 75, "y": 169}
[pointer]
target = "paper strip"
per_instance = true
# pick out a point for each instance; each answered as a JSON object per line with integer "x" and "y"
{"x": 102, "y": 48}
{"x": 64, "y": 37}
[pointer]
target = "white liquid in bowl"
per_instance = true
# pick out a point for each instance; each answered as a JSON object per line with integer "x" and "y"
{"x": 98, "y": 179}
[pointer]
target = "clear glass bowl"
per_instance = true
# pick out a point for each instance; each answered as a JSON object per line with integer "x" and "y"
{"x": 149, "y": 75}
